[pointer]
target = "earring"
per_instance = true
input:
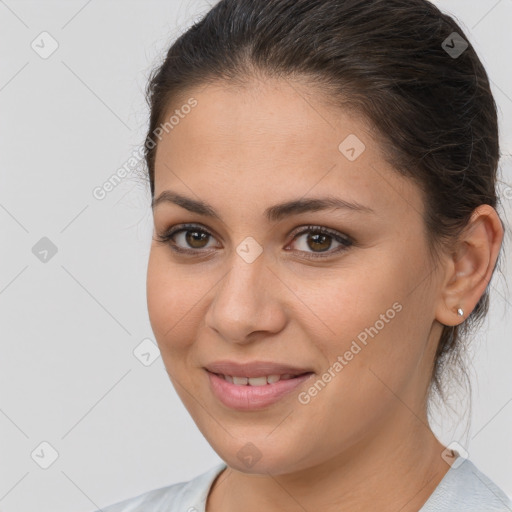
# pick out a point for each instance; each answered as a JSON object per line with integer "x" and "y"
{"x": 460, "y": 312}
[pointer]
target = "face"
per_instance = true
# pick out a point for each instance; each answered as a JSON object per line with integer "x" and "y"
{"x": 343, "y": 290}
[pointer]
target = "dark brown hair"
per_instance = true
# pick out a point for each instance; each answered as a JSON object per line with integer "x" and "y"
{"x": 394, "y": 62}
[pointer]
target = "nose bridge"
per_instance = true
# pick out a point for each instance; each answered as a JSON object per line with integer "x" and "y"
{"x": 242, "y": 302}
{"x": 247, "y": 266}
{"x": 241, "y": 291}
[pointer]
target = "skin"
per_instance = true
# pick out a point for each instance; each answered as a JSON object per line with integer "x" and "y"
{"x": 364, "y": 439}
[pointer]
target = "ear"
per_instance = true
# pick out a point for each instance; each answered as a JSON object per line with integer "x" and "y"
{"x": 470, "y": 267}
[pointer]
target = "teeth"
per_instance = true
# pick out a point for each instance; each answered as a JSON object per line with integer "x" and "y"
{"x": 256, "y": 381}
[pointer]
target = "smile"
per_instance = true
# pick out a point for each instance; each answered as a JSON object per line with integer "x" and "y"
{"x": 256, "y": 381}
{"x": 253, "y": 393}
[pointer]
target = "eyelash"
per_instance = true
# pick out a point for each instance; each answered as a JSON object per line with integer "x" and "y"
{"x": 168, "y": 238}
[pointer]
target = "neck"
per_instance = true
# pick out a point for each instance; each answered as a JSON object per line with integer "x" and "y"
{"x": 398, "y": 469}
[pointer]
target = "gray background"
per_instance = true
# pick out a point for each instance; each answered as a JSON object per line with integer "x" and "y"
{"x": 70, "y": 324}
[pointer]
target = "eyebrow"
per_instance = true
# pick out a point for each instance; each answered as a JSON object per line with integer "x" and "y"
{"x": 273, "y": 213}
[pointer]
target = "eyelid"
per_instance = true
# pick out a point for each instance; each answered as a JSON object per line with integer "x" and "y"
{"x": 320, "y": 229}
{"x": 344, "y": 240}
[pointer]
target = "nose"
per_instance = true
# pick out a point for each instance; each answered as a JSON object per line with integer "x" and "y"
{"x": 246, "y": 301}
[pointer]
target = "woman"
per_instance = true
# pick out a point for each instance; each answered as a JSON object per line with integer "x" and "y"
{"x": 323, "y": 180}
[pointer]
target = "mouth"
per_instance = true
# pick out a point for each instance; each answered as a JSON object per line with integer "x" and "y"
{"x": 263, "y": 380}
{"x": 242, "y": 393}
{"x": 256, "y": 369}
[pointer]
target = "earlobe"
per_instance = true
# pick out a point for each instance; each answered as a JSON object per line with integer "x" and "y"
{"x": 470, "y": 267}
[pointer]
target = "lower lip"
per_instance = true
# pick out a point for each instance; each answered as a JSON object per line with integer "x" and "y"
{"x": 248, "y": 398}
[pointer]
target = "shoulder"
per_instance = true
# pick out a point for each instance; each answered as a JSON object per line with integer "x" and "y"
{"x": 465, "y": 488}
{"x": 183, "y": 496}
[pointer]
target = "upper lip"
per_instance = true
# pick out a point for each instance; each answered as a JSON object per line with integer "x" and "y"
{"x": 254, "y": 368}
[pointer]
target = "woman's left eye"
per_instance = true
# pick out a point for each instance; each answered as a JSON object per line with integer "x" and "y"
{"x": 192, "y": 239}
{"x": 321, "y": 239}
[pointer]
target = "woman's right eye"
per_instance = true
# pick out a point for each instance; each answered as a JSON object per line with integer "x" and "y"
{"x": 189, "y": 239}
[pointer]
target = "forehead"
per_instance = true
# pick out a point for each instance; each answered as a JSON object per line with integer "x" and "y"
{"x": 262, "y": 114}
{"x": 276, "y": 138}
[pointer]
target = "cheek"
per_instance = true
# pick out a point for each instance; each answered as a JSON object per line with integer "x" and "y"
{"x": 362, "y": 382}
{"x": 347, "y": 301}
{"x": 173, "y": 301}
{"x": 369, "y": 319}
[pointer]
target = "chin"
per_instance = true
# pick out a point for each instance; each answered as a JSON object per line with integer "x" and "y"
{"x": 267, "y": 457}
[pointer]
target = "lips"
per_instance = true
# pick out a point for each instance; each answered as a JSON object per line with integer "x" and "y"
{"x": 255, "y": 369}
{"x": 247, "y": 397}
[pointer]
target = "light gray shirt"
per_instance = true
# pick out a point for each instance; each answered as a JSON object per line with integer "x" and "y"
{"x": 463, "y": 489}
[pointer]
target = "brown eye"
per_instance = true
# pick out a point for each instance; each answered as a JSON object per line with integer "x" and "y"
{"x": 186, "y": 238}
{"x": 196, "y": 239}
{"x": 319, "y": 241}
{"x": 316, "y": 240}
